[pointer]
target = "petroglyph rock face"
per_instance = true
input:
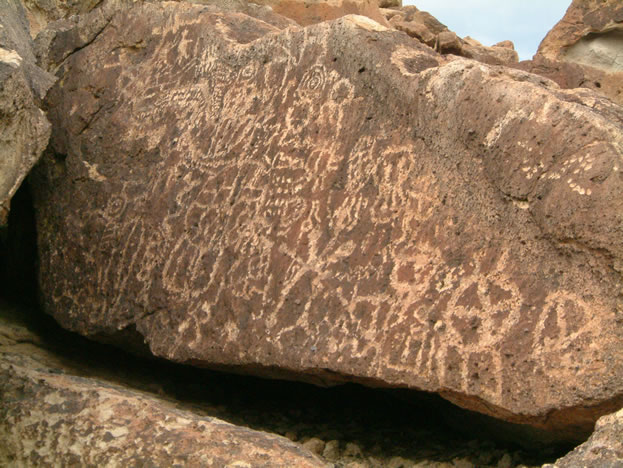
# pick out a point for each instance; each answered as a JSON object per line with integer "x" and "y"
{"x": 338, "y": 202}
{"x": 590, "y": 36}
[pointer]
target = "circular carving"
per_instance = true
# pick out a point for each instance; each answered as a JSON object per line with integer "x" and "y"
{"x": 315, "y": 78}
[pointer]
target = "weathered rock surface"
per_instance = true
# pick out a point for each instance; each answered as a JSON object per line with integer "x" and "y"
{"x": 424, "y": 27}
{"x": 51, "y": 418}
{"x": 604, "y": 449}
{"x": 306, "y": 12}
{"x": 590, "y": 37}
{"x": 338, "y": 202}
{"x": 585, "y": 21}
{"x": 42, "y": 12}
{"x": 502, "y": 53}
{"x": 24, "y": 129}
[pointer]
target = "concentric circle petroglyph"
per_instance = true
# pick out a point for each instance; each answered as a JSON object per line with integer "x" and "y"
{"x": 314, "y": 79}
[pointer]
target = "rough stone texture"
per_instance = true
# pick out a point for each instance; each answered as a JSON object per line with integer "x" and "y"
{"x": 390, "y": 3}
{"x": 424, "y": 27}
{"x": 584, "y": 20}
{"x": 449, "y": 43}
{"x": 604, "y": 449}
{"x": 306, "y": 12}
{"x": 24, "y": 129}
{"x": 42, "y": 12}
{"x": 61, "y": 38}
{"x": 51, "y": 418}
{"x": 589, "y": 36}
{"x": 338, "y": 203}
{"x": 502, "y": 53}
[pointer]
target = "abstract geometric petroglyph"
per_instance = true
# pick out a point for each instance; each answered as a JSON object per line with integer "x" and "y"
{"x": 339, "y": 201}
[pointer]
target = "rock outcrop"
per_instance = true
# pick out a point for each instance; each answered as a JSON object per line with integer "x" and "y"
{"x": 49, "y": 417}
{"x": 337, "y": 202}
{"x": 306, "y": 12}
{"x": 604, "y": 449}
{"x": 24, "y": 129}
{"x": 585, "y": 49}
{"x": 424, "y": 27}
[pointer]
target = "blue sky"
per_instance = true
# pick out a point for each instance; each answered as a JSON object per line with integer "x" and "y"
{"x": 525, "y": 22}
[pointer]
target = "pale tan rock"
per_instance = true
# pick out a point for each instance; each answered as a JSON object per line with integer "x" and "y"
{"x": 416, "y": 30}
{"x": 315, "y": 445}
{"x": 352, "y": 450}
{"x": 502, "y": 53}
{"x": 448, "y": 43}
{"x": 389, "y": 13}
{"x": 427, "y": 29}
{"x": 331, "y": 450}
{"x": 505, "y": 44}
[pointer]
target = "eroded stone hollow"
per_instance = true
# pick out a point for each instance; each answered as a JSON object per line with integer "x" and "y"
{"x": 599, "y": 50}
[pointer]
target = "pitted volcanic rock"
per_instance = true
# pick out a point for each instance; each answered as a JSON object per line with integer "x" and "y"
{"x": 338, "y": 202}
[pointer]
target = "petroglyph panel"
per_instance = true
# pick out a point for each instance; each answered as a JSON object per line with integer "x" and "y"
{"x": 335, "y": 198}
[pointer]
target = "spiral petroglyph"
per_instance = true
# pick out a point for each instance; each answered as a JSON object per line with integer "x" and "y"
{"x": 314, "y": 80}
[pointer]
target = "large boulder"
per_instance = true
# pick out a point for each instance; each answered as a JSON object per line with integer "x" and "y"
{"x": 51, "y": 417}
{"x": 589, "y": 37}
{"x": 24, "y": 129}
{"x": 337, "y": 203}
{"x": 424, "y": 27}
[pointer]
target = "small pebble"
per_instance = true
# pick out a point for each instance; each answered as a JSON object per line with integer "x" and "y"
{"x": 353, "y": 450}
{"x": 505, "y": 462}
{"x": 332, "y": 450}
{"x": 315, "y": 445}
